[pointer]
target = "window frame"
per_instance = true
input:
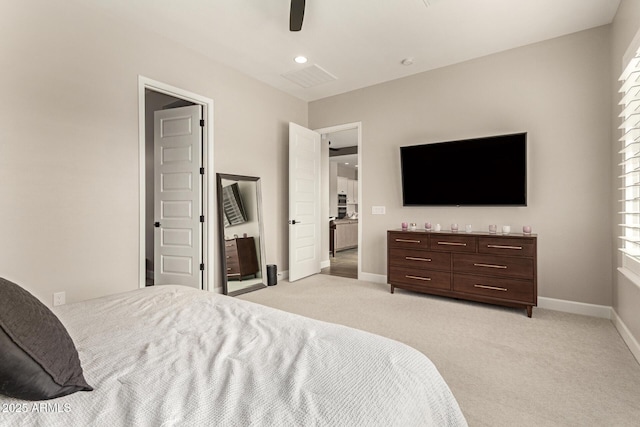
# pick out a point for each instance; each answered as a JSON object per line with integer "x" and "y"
{"x": 629, "y": 246}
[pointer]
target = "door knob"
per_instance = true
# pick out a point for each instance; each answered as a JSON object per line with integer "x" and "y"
{"x": 156, "y": 224}
{"x": 293, "y": 221}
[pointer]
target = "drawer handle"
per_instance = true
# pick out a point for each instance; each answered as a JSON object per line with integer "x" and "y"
{"x": 518, "y": 248}
{"x": 452, "y": 244}
{"x": 413, "y": 258}
{"x": 426, "y": 279}
{"x": 477, "y": 264}
{"x": 493, "y": 288}
{"x": 407, "y": 241}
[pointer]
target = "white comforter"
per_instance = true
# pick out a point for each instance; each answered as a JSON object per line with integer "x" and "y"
{"x": 171, "y": 355}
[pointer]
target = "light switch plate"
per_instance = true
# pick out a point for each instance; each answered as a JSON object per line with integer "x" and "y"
{"x": 378, "y": 210}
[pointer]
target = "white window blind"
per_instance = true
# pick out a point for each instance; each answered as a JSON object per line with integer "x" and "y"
{"x": 630, "y": 154}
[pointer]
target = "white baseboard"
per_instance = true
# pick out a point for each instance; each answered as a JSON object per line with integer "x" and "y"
{"x": 575, "y": 307}
{"x": 626, "y": 335}
{"x": 325, "y": 264}
{"x": 375, "y": 278}
{"x": 283, "y": 275}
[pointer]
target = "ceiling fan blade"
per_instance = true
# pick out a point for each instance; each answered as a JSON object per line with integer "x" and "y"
{"x": 296, "y": 15}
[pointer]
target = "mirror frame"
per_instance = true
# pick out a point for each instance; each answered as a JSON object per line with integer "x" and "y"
{"x": 221, "y": 233}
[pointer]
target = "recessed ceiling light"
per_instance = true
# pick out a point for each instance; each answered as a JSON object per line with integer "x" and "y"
{"x": 346, "y": 163}
{"x": 300, "y": 59}
{"x": 407, "y": 61}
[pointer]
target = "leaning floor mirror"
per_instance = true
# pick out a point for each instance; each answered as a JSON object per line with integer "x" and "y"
{"x": 241, "y": 234}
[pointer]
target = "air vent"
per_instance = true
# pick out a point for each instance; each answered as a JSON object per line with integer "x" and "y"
{"x": 310, "y": 76}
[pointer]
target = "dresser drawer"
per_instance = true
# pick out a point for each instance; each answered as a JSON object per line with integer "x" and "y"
{"x": 420, "y": 259}
{"x": 421, "y": 278}
{"x": 506, "y": 246}
{"x": 231, "y": 254}
{"x": 408, "y": 240}
{"x": 233, "y": 262}
{"x": 494, "y": 287}
{"x": 233, "y": 268}
{"x": 230, "y": 247}
{"x": 453, "y": 243}
{"x": 500, "y": 266}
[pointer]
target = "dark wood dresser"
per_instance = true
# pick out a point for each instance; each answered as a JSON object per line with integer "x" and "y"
{"x": 241, "y": 257}
{"x": 491, "y": 268}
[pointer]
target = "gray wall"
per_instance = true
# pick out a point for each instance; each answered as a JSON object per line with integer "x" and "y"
{"x": 626, "y": 294}
{"x": 347, "y": 172}
{"x": 69, "y": 152}
{"x": 559, "y": 92}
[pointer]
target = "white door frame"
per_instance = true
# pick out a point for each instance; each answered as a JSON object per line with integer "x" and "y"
{"x": 325, "y": 224}
{"x": 207, "y": 202}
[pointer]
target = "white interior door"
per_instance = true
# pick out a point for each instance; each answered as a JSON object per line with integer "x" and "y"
{"x": 304, "y": 202}
{"x": 178, "y": 196}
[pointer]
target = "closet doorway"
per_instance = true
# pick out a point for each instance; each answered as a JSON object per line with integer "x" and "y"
{"x": 174, "y": 231}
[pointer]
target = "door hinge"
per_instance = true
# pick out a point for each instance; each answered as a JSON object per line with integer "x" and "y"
{"x": 201, "y": 171}
{"x": 201, "y": 267}
{"x": 201, "y": 218}
{"x": 202, "y": 122}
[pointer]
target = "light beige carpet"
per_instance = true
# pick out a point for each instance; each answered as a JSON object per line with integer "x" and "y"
{"x": 555, "y": 369}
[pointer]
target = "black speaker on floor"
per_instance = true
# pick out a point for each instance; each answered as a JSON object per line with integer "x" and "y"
{"x": 272, "y": 274}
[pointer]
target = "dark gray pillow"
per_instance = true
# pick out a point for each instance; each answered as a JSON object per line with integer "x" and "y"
{"x": 38, "y": 359}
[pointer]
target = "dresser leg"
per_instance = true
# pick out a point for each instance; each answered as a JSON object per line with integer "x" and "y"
{"x": 392, "y": 288}
{"x": 529, "y": 310}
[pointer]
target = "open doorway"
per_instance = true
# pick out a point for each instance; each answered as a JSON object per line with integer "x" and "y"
{"x": 344, "y": 201}
{"x": 154, "y": 101}
{"x": 179, "y": 114}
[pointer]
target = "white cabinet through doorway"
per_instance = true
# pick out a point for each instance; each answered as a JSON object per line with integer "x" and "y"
{"x": 343, "y": 185}
{"x": 352, "y": 186}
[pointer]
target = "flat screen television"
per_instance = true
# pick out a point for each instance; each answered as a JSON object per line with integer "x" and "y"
{"x": 490, "y": 171}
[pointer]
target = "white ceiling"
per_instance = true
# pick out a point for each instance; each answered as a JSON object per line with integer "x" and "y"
{"x": 341, "y": 139}
{"x": 360, "y": 42}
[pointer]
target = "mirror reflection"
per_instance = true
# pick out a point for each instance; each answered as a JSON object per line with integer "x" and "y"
{"x": 240, "y": 228}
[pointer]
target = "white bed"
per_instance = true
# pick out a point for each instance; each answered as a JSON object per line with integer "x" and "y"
{"x": 171, "y": 355}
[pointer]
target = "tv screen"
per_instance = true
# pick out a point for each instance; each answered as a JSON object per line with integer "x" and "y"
{"x": 489, "y": 171}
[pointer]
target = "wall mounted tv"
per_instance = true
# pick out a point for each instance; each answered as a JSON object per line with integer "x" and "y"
{"x": 490, "y": 171}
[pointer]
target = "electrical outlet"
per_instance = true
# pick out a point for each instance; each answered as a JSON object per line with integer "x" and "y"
{"x": 59, "y": 298}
